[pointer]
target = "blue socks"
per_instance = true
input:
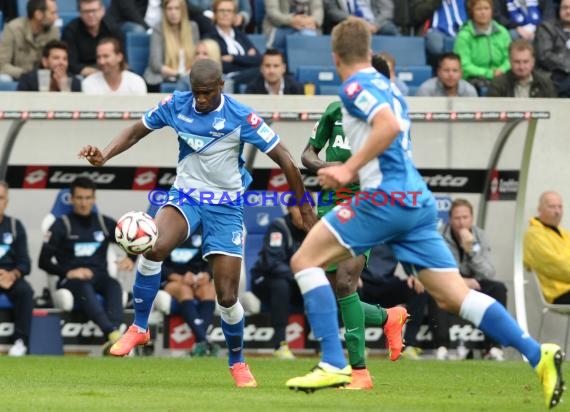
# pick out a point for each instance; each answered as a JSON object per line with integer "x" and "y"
{"x": 189, "y": 313}
{"x": 321, "y": 310}
{"x": 232, "y": 326}
{"x": 147, "y": 283}
{"x": 498, "y": 324}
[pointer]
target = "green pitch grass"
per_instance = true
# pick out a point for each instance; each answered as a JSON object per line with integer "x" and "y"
{"x": 184, "y": 384}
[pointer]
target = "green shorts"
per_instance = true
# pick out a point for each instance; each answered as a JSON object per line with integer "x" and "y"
{"x": 323, "y": 210}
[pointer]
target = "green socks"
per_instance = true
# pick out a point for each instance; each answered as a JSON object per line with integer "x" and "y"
{"x": 353, "y": 318}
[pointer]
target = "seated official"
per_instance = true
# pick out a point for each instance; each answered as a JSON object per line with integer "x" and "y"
{"x": 472, "y": 252}
{"x": 187, "y": 278}
{"x": 75, "y": 249}
{"x": 272, "y": 278}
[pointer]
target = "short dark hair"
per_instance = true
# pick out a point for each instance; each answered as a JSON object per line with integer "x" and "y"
{"x": 448, "y": 56}
{"x": 54, "y": 44}
{"x": 461, "y": 202}
{"x": 520, "y": 45}
{"x": 273, "y": 52}
{"x": 83, "y": 183}
{"x": 381, "y": 65}
{"x": 34, "y": 5}
{"x": 117, "y": 48}
{"x": 80, "y": 2}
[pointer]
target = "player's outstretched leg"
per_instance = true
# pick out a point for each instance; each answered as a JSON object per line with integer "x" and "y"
{"x": 320, "y": 307}
{"x": 147, "y": 283}
{"x": 232, "y": 326}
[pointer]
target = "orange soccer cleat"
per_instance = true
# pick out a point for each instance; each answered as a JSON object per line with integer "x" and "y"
{"x": 393, "y": 329}
{"x": 361, "y": 380}
{"x": 130, "y": 340}
{"x": 242, "y": 375}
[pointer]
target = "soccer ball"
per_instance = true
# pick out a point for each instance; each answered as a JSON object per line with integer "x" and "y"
{"x": 136, "y": 232}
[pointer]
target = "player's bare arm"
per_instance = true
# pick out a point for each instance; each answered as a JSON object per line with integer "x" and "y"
{"x": 311, "y": 160}
{"x": 127, "y": 138}
{"x": 385, "y": 128}
{"x": 280, "y": 155}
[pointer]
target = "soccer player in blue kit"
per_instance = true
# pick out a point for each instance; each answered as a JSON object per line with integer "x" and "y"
{"x": 395, "y": 208}
{"x": 212, "y": 129}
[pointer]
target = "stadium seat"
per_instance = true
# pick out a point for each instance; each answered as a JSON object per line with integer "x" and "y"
{"x": 257, "y": 220}
{"x": 407, "y": 50}
{"x": 8, "y": 86}
{"x": 550, "y": 307}
{"x": 22, "y": 8}
{"x": 259, "y": 41}
{"x": 308, "y": 51}
{"x": 137, "y": 51}
{"x": 448, "y": 43}
{"x": 413, "y": 76}
{"x": 322, "y": 77}
{"x": 167, "y": 87}
{"x": 1, "y": 23}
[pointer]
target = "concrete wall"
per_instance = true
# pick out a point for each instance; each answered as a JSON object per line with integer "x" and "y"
{"x": 436, "y": 145}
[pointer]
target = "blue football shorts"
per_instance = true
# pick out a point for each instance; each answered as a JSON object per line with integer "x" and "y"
{"x": 410, "y": 232}
{"x": 222, "y": 225}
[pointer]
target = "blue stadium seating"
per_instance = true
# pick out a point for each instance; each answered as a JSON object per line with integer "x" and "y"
{"x": 413, "y": 76}
{"x": 258, "y": 15}
{"x": 22, "y": 7}
{"x": 328, "y": 89}
{"x": 308, "y": 51}
{"x": 137, "y": 50}
{"x": 64, "y": 6}
{"x": 1, "y": 23}
{"x": 325, "y": 78}
{"x": 259, "y": 41}
{"x": 256, "y": 220}
{"x": 448, "y": 43}
{"x": 67, "y": 16}
{"x": 406, "y": 50}
{"x": 167, "y": 87}
{"x": 8, "y": 86}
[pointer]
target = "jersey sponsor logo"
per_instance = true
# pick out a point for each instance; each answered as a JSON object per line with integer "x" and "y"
{"x": 3, "y": 250}
{"x": 219, "y": 123}
{"x": 266, "y": 133}
{"x": 35, "y": 177}
{"x": 182, "y": 255}
{"x": 184, "y": 118}
{"x": 344, "y": 214}
{"x": 145, "y": 179}
{"x": 236, "y": 238}
{"x": 196, "y": 142}
{"x": 275, "y": 239}
{"x": 7, "y": 238}
{"x": 254, "y": 120}
{"x": 352, "y": 89}
{"x": 365, "y": 101}
{"x": 85, "y": 249}
{"x": 341, "y": 142}
{"x": 99, "y": 236}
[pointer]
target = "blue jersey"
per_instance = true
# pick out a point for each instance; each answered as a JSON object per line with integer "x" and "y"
{"x": 363, "y": 95}
{"x": 211, "y": 144}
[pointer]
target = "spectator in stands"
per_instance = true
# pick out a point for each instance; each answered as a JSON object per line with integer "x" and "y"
{"x": 141, "y": 15}
{"x": 171, "y": 47}
{"x": 84, "y": 33}
{"x": 445, "y": 23}
{"x": 187, "y": 278}
{"x": 522, "y": 80}
{"x": 472, "y": 252}
{"x": 483, "y": 45}
{"x": 521, "y": 17}
{"x": 240, "y": 58}
{"x": 24, "y": 38}
{"x": 241, "y": 17}
{"x": 285, "y": 17}
{"x": 208, "y": 49}
{"x": 272, "y": 279}
{"x": 552, "y": 50}
{"x": 393, "y": 78}
{"x": 113, "y": 76}
{"x": 75, "y": 249}
{"x": 448, "y": 82}
{"x": 547, "y": 249}
{"x": 55, "y": 59}
{"x": 380, "y": 285}
{"x": 378, "y": 14}
{"x": 272, "y": 77}
{"x": 14, "y": 265}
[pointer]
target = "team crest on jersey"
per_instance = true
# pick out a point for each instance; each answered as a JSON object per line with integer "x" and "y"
{"x": 99, "y": 236}
{"x": 352, "y": 89}
{"x": 365, "y": 101}
{"x": 7, "y": 238}
{"x": 254, "y": 120}
{"x": 219, "y": 123}
{"x": 236, "y": 238}
{"x": 345, "y": 213}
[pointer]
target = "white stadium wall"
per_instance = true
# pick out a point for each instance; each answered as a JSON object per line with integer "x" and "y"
{"x": 436, "y": 145}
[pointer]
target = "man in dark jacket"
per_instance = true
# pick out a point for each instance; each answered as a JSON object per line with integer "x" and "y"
{"x": 552, "y": 51}
{"x": 14, "y": 265}
{"x": 272, "y": 278}
{"x": 272, "y": 78}
{"x": 522, "y": 80}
